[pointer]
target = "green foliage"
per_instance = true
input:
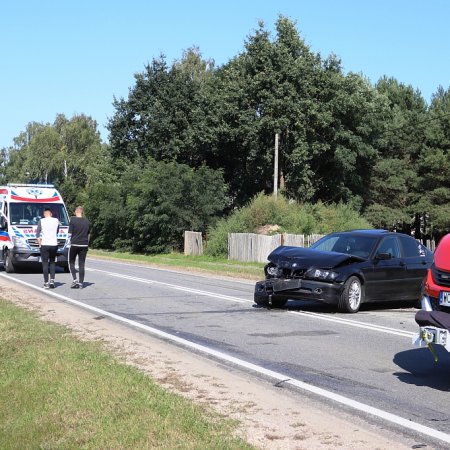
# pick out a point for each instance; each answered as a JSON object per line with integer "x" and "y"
{"x": 343, "y": 141}
{"x": 62, "y": 153}
{"x": 288, "y": 216}
{"x": 152, "y": 204}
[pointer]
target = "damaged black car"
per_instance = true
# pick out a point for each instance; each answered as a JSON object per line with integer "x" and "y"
{"x": 347, "y": 269}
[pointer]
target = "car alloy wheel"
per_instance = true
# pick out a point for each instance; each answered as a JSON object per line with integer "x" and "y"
{"x": 351, "y": 296}
{"x": 354, "y": 294}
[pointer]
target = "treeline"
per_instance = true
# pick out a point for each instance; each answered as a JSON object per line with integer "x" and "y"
{"x": 193, "y": 142}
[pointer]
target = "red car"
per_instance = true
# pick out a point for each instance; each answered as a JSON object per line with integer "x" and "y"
{"x": 437, "y": 283}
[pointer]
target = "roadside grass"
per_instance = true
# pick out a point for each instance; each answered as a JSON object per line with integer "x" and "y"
{"x": 207, "y": 264}
{"x": 59, "y": 392}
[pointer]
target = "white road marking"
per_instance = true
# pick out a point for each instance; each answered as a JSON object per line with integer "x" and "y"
{"x": 171, "y": 286}
{"x": 149, "y": 267}
{"x": 342, "y": 321}
{"x": 355, "y": 323}
{"x": 277, "y": 376}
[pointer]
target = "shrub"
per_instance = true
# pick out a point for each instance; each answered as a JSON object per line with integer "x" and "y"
{"x": 290, "y": 216}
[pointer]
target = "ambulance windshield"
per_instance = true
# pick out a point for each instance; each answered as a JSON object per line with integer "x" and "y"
{"x": 24, "y": 213}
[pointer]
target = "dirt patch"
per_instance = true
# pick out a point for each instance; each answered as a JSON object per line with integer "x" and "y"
{"x": 269, "y": 418}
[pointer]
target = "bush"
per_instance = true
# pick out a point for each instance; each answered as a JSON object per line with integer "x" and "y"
{"x": 290, "y": 216}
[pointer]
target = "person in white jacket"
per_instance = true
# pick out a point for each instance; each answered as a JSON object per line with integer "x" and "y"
{"x": 47, "y": 237}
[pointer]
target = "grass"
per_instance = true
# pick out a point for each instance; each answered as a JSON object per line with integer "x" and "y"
{"x": 57, "y": 392}
{"x": 207, "y": 264}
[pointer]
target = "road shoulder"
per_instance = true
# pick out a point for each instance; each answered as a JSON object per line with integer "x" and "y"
{"x": 269, "y": 417}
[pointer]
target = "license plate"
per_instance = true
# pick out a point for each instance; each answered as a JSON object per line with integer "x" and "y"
{"x": 444, "y": 298}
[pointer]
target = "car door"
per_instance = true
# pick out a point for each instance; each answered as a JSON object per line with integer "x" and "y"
{"x": 416, "y": 265}
{"x": 387, "y": 278}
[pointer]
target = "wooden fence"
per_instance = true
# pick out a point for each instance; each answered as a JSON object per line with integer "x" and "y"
{"x": 250, "y": 247}
{"x": 193, "y": 243}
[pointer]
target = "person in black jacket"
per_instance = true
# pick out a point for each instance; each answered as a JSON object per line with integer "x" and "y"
{"x": 79, "y": 231}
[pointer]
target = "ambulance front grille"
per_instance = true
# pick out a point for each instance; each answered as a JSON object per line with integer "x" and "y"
{"x": 33, "y": 243}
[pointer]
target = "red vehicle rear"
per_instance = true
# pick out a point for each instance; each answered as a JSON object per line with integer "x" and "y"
{"x": 437, "y": 284}
{"x": 434, "y": 317}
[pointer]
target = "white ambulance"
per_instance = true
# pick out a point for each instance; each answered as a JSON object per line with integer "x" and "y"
{"x": 21, "y": 207}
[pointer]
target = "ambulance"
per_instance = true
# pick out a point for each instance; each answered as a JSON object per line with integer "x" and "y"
{"x": 21, "y": 208}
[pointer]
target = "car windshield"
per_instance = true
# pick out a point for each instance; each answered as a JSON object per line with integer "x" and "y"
{"x": 24, "y": 213}
{"x": 351, "y": 244}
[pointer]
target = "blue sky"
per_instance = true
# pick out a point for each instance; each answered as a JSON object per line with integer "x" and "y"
{"x": 73, "y": 56}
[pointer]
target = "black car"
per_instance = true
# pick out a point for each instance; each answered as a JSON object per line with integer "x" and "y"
{"x": 347, "y": 269}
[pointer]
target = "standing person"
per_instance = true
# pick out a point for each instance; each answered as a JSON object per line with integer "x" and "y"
{"x": 79, "y": 231}
{"x": 47, "y": 237}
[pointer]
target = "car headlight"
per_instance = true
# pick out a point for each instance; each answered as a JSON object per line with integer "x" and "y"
{"x": 273, "y": 271}
{"x": 20, "y": 242}
{"x": 321, "y": 274}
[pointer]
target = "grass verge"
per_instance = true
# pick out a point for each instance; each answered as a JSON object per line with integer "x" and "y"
{"x": 207, "y": 264}
{"x": 59, "y": 392}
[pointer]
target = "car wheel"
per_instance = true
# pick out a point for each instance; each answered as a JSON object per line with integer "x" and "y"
{"x": 7, "y": 263}
{"x": 352, "y": 296}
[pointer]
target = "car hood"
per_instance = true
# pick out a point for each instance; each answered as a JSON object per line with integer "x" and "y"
{"x": 306, "y": 257}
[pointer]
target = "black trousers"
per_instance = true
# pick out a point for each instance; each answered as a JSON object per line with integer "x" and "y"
{"x": 81, "y": 252}
{"x": 48, "y": 256}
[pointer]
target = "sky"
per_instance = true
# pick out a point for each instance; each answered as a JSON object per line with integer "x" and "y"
{"x": 73, "y": 56}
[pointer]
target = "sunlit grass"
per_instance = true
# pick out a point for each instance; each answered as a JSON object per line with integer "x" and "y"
{"x": 57, "y": 392}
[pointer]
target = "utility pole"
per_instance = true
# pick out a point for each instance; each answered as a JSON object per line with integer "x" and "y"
{"x": 275, "y": 168}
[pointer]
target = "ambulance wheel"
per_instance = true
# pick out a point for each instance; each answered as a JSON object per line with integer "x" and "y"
{"x": 7, "y": 263}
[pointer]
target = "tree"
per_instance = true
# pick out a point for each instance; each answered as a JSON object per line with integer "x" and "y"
{"x": 160, "y": 119}
{"x": 391, "y": 199}
{"x": 63, "y": 153}
{"x": 151, "y": 204}
{"x": 169, "y": 198}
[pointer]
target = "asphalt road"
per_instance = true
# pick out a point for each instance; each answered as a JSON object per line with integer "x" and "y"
{"x": 367, "y": 357}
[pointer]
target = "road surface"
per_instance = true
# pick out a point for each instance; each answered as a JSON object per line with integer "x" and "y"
{"x": 348, "y": 360}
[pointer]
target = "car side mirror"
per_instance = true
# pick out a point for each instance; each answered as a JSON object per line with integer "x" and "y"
{"x": 383, "y": 256}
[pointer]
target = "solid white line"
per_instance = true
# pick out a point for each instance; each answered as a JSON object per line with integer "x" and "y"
{"x": 342, "y": 321}
{"x": 405, "y": 423}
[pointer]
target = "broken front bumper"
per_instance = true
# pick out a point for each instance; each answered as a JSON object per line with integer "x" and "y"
{"x": 300, "y": 289}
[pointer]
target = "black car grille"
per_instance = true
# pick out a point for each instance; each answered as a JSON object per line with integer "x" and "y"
{"x": 291, "y": 273}
{"x": 33, "y": 243}
{"x": 441, "y": 277}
